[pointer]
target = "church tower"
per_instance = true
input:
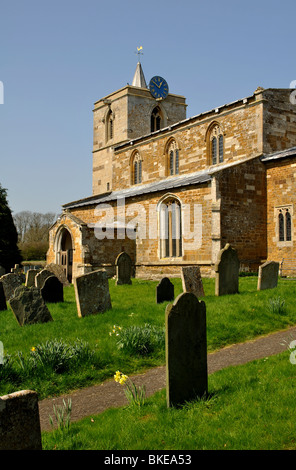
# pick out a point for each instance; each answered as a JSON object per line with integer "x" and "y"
{"x": 126, "y": 114}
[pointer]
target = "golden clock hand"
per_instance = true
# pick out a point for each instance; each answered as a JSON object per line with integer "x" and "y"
{"x": 156, "y": 84}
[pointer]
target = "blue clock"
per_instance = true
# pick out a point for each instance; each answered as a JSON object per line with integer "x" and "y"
{"x": 158, "y": 87}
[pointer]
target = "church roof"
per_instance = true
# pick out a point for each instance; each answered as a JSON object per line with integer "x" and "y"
{"x": 291, "y": 152}
{"x": 139, "y": 78}
{"x": 138, "y": 190}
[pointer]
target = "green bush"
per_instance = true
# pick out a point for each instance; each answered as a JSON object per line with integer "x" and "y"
{"x": 141, "y": 340}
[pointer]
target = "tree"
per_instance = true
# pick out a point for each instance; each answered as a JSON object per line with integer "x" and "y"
{"x": 33, "y": 230}
{"x": 9, "y": 251}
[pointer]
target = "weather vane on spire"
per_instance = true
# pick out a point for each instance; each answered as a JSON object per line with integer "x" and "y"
{"x": 139, "y": 49}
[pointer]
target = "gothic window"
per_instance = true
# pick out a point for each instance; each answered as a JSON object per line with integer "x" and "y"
{"x": 156, "y": 119}
{"x": 170, "y": 229}
{"x": 137, "y": 169}
{"x": 110, "y": 126}
{"x": 216, "y": 145}
{"x": 284, "y": 224}
{"x": 173, "y": 158}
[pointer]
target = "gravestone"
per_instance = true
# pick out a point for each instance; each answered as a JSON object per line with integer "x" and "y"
{"x": 3, "y": 305}
{"x": 92, "y": 293}
{"x": 52, "y": 290}
{"x": 59, "y": 272}
{"x": 226, "y": 271}
{"x": 41, "y": 276}
{"x": 268, "y": 274}
{"x": 186, "y": 350}
{"x": 164, "y": 290}
{"x": 20, "y": 422}
{"x": 30, "y": 277}
{"x": 10, "y": 282}
{"x": 123, "y": 265}
{"x": 2, "y": 271}
{"x": 192, "y": 281}
{"x": 29, "y": 307}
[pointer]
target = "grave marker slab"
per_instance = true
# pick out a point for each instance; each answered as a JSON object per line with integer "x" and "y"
{"x": 227, "y": 271}
{"x": 164, "y": 290}
{"x": 30, "y": 277}
{"x": 268, "y": 274}
{"x": 59, "y": 272}
{"x": 41, "y": 276}
{"x": 192, "y": 281}
{"x": 186, "y": 350}
{"x": 123, "y": 265}
{"x": 19, "y": 421}
{"x": 92, "y": 293}
{"x": 52, "y": 290}
{"x": 29, "y": 307}
{"x": 10, "y": 282}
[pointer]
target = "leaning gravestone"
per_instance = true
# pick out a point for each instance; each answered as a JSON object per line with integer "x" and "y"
{"x": 19, "y": 421}
{"x": 192, "y": 281}
{"x": 30, "y": 277}
{"x": 186, "y": 350}
{"x": 29, "y": 307}
{"x": 92, "y": 293}
{"x": 52, "y": 290}
{"x": 164, "y": 290}
{"x": 226, "y": 271}
{"x": 59, "y": 272}
{"x": 41, "y": 276}
{"x": 123, "y": 265}
{"x": 3, "y": 305}
{"x": 10, "y": 282}
{"x": 268, "y": 274}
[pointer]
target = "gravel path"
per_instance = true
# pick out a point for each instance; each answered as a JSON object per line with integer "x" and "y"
{"x": 95, "y": 399}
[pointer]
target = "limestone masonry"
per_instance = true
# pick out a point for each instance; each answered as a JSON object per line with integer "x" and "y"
{"x": 172, "y": 191}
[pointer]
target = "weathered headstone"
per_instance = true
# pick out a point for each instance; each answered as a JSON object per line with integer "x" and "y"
{"x": 164, "y": 290}
{"x": 20, "y": 422}
{"x": 10, "y": 282}
{"x": 29, "y": 307}
{"x": 227, "y": 271}
{"x": 41, "y": 276}
{"x": 268, "y": 274}
{"x": 2, "y": 271}
{"x": 123, "y": 265}
{"x": 30, "y": 277}
{"x": 92, "y": 293}
{"x": 59, "y": 272}
{"x": 52, "y": 290}
{"x": 3, "y": 305}
{"x": 186, "y": 350}
{"x": 192, "y": 281}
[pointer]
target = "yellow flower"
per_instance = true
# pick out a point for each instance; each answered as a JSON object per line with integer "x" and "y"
{"x": 33, "y": 349}
{"x": 117, "y": 376}
{"x": 123, "y": 379}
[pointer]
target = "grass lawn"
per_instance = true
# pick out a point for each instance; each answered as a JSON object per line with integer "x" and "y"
{"x": 230, "y": 319}
{"x": 250, "y": 407}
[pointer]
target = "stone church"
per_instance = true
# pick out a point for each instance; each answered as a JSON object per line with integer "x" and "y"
{"x": 171, "y": 191}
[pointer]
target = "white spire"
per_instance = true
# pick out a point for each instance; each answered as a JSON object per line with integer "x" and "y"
{"x": 139, "y": 78}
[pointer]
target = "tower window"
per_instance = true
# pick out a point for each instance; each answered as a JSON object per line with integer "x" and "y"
{"x": 110, "y": 126}
{"x": 156, "y": 119}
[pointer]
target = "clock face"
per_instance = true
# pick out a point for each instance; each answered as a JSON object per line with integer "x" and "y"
{"x": 158, "y": 87}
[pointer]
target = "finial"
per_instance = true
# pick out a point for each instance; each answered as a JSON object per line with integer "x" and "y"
{"x": 139, "y": 49}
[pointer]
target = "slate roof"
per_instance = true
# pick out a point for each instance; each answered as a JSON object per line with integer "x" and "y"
{"x": 163, "y": 185}
{"x": 291, "y": 152}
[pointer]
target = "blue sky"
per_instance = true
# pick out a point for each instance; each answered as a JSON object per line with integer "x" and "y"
{"x": 57, "y": 58}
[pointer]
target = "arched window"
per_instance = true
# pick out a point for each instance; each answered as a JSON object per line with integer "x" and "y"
{"x": 110, "y": 126}
{"x": 170, "y": 228}
{"x": 215, "y": 140}
{"x": 284, "y": 224}
{"x": 173, "y": 158}
{"x": 156, "y": 119}
{"x": 136, "y": 169}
